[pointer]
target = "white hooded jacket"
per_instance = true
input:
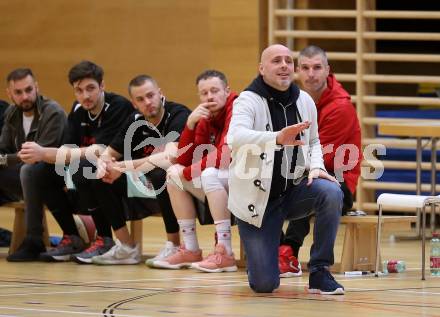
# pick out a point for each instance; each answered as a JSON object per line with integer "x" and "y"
{"x": 253, "y": 144}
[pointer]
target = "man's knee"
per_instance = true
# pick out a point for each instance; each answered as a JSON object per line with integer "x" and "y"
{"x": 264, "y": 284}
{"x": 157, "y": 176}
{"x": 174, "y": 175}
{"x": 210, "y": 179}
{"x": 30, "y": 171}
{"x": 331, "y": 192}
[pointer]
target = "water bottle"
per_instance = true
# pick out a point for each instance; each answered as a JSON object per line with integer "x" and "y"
{"x": 435, "y": 255}
{"x": 393, "y": 266}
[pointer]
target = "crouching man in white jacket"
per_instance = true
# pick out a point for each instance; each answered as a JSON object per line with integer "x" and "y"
{"x": 277, "y": 173}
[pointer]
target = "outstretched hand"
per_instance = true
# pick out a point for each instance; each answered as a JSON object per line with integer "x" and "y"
{"x": 287, "y": 136}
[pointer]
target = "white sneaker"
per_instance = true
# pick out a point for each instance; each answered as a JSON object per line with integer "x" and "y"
{"x": 119, "y": 254}
{"x": 168, "y": 250}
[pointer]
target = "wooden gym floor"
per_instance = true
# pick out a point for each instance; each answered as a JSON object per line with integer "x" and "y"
{"x": 69, "y": 289}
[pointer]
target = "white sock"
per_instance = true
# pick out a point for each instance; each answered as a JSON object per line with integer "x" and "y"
{"x": 189, "y": 235}
{"x": 223, "y": 228}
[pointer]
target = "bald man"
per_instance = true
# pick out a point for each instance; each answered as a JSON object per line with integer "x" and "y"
{"x": 277, "y": 173}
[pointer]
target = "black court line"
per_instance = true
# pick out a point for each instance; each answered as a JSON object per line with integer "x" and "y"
{"x": 109, "y": 310}
{"x": 78, "y": 284}
{"x": 89, "y": 285}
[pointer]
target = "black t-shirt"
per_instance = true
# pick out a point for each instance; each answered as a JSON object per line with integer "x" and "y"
{"x": 147, "y": 136}
{"x": 85, "y": 130}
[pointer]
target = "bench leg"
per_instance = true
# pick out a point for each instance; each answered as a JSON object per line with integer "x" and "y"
{"x": 359, "y": 250}
{"x": 19, "y": 230}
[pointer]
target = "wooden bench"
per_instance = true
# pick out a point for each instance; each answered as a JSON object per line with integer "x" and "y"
{"x": 359, "y": 247}
{"x": 358, "y": 251}
{"x": 19, "y": 227}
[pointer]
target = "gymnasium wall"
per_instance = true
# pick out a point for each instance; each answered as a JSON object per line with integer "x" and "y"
{"x": 172, "y": 40}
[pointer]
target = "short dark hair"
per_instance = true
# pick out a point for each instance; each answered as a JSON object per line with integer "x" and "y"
{"x": 313, "y": 50}
{"x": 212, "y": 73}
{"x": 86, "y": 69}
{"x": 139, "y": 81}
{"x": 18, "y": 74}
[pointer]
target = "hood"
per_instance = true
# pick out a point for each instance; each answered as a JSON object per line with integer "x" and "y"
{"x": 258, "y": 86}
{"x": 333, "y": 91}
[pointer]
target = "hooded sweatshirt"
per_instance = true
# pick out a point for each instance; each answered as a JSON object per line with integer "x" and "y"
{"x": 207, "y": 132}
{"x": 338, "y": 125}
{"x": 283, "y": 112}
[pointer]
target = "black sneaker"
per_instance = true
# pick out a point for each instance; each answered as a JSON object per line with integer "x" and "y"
{"x": 322, "y": 282}
{"x": 69, "y": 245}
{"x": 100, "y": 246}
{"x": 29, "y": 250}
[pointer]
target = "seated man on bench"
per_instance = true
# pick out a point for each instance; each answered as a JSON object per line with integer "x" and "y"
{"x": 95, "y": 118}
{"x": 147, "y": 142}
{"x": 340, "y": 136}
{"x": 32, "y": 117}
{"x": 202, "y": 171}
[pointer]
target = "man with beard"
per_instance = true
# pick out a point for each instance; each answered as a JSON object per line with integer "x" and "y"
{"x": 32, "y": 118}
{"x": 95, "y": 118}
{"x": 148, "y": 145}
{"x": 340, "y": 136}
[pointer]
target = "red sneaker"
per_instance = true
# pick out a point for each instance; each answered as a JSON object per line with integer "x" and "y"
{"x": 288, "y": 264}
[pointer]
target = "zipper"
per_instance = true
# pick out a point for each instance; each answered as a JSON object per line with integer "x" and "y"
{"x": 284, "y": 152}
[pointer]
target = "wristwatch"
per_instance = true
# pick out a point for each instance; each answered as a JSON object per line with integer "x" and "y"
{"x": 3, "y": 159}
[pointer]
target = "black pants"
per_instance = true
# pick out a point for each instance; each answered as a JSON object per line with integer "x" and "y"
{"x": 112, "y": 198}
{"x": 88, "y": 199}
{"x": 56, "y": 197}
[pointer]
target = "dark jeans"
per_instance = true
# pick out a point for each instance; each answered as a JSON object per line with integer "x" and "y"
{"x": 21, "y": 181}
{"x": 322, "y": 197}
{"x": 298, "y": 229}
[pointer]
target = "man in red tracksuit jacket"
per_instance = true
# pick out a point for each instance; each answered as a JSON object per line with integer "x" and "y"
{"x": 202, "y": 172}
{"x": 340, "y": 136}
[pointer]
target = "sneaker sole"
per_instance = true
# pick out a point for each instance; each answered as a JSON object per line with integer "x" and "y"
{"x": 116, "y": 262}
{"x": 291, "y": 274}
{"x": 338, "y": 291}
{"x": 218, "y": 270}
{"x": 55, "y": 258}
{"x": 81, "y": 260}
{"x": 151, "y": 263}
{"x": 24, "y": 260}
{"x": 166, "y": 265}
